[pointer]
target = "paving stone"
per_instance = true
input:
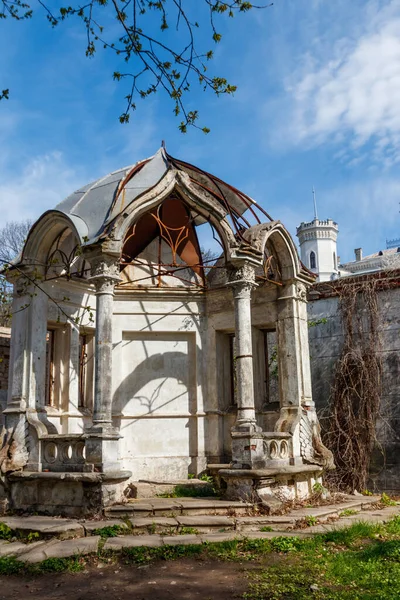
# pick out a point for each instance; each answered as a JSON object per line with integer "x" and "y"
{"x": 269, "y": 535}
{"x": 205, "y": 521}
{"x": 315, "y": 529}
{"x": 287, "y": 519}
{"x": 46, "y": 525}
{"x": 133, "y": 541}
{"x": 62, "y": 549}
{"x": 225, "y": 536}
{"x": 178, "y": 540}
{"x": 91, "y": 526}
{"x": 139, "y": 506}
{"x": 158, "y": 522}
{"x": 17, "y": 548}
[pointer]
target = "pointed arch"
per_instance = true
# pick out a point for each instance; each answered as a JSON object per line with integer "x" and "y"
{"x": 275, "y": 237}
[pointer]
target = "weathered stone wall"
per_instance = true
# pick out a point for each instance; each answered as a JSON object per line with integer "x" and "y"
{"x": 326, "y": 340}
{"x": 5, "y": 334}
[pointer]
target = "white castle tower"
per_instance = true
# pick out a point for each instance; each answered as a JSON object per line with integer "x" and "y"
{"x": 318, "y": 246}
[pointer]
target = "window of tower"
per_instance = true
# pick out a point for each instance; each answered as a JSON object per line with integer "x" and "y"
{"x": 312, "y": 261}
{"x": 334, "y": 261}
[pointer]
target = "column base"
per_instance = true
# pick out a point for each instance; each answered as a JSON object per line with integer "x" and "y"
{"x": 246, "y": 426}
{"x": 101, "y": 447}
{"x": 248, "y": 450}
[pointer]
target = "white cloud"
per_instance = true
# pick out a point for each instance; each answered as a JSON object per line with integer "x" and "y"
{"x": 38, "y": 186}
{"x": 354, "y": 93}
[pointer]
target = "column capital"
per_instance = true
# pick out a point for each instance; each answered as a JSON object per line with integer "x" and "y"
{"x": 104, "y": 270}
{"x": 242, "y": 280}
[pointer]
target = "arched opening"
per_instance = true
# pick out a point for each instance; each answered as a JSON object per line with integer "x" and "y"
{"x": 64, "y": 258}
{"x": 313, "y": 262}
{"x": 334, "y": 261}
{"x": 162, "y": 248}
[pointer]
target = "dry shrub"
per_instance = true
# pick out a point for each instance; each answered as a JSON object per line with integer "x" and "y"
{"x": 356, "y": 391}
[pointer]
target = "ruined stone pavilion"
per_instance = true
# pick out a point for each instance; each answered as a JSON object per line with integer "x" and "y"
{"x": 136, "y": 357}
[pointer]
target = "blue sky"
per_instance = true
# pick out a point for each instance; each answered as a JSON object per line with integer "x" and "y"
{"x": 318, "y": 104}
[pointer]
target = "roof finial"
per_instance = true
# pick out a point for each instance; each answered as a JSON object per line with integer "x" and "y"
{"x": 315, "y": 205}
{"x": 163, "y": 144}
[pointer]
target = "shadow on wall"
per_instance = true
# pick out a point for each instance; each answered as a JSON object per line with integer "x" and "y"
{"x": 154, "y": 367}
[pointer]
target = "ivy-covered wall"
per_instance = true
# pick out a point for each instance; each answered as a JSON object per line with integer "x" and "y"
{"x": 326, "y": 335}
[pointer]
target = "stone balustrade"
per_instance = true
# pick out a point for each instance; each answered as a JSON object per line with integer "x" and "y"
{"x": 63, "y": 453}
{"x": 278, "y": 446}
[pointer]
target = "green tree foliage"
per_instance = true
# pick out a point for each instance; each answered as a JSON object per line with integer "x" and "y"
{"x": 156, "y": 40}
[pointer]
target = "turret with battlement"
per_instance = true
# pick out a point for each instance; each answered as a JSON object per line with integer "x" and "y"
{"x": 318, "y": 247}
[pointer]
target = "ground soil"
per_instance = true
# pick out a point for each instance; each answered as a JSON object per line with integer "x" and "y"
{"x": 184, "y": 579}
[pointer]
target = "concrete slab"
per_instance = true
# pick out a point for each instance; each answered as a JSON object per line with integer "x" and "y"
{"x": 62, "y": 528}
{"x": 286, "y": 519}
{"x": 225, "y": 536}
{"x": 133, "y": 541}
{"x": 62, "y": 549}
{"x": 134, "y": 505}
{"x": 205, "y": 521}
{"x": 91, "y": 526}
{"x": 269, "y": 535}
{"x": 157, "y": 522}
{"x": 331, "y": 509}
{"x": 17, "y": 548}
{"x": 181, "y": 540}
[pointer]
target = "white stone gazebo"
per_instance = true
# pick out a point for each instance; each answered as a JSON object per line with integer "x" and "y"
{"x": 134, "y": 356}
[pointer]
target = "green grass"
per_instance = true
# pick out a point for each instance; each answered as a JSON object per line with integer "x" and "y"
{"x": 5, "y": 532}
{"x": 110, "y": 531}
{"x": 190, "y": 491}
{"x": 387, "y": 500}
{"x": 361, "y": 562}
{"x": 188, "y": 531}
{"x": 348, "y": 512}
{"x": 9, "y": 565}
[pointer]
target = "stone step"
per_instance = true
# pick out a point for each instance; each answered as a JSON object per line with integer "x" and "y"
{"x": 45, "y": 526}
{"x": 178, "y": 506}
{"x": 146, "y": 488}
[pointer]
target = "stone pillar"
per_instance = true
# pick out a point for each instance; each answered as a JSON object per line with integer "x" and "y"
{"x": 27, "y": 368}
{"x": 102, "y": 441}
{"x": 17, "y": 377}
{"x": 247, "y": 441}
{"x": 15, "y": 411}
{"x": 293, "y": 361}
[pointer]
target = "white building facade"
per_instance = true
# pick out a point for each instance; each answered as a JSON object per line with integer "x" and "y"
{"x": 318, "y": 247}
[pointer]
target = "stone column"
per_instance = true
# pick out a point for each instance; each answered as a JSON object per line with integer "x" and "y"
{"x": 247, "y": 441}
{"x": 102, "y": 442}
{"x": 15, "y": 411}
{"x": 27, "y": 368}
{"x": 293, "y": 361}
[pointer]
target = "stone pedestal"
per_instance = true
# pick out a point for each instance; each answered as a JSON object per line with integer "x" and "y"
{"x": 101, "y": 449}
{"x": 66, "y": 494}
{"x": 271, "y": 487}
{"x": 247, "y": 450}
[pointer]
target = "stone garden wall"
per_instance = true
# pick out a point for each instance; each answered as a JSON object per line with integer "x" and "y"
{"x": 326, "y": 340}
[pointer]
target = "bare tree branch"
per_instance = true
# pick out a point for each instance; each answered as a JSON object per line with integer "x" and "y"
{"x": 154, "y": 62}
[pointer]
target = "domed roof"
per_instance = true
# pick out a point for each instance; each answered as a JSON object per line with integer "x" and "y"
{"x": 100, "y": 202}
